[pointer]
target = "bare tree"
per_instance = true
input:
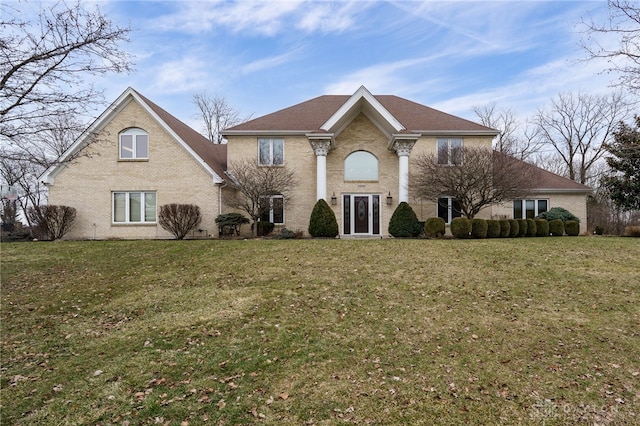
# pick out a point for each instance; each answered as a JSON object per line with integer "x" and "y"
{"x": 256, "y": 185}
{"x": 513, "y": 139}
{"x": 624, "y": 23}
{"x": 484, "y": 177}
{"x": 217, "y": 115}
{"x": 44, "y": 64}
{"x": 577, "y": 126}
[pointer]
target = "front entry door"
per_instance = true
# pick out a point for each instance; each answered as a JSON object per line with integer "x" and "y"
{"x": 361, "y": 214}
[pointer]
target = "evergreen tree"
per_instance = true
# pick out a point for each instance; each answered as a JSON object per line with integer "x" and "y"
{"x": 323, "y": 221}
{"x": 624, "y": 184}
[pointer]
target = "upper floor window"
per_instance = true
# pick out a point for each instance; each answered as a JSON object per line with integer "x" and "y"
{"x": 270, "y": 151}
{"x": 134, "y": 207}
{"x": 529, "y": 209}
{"x": 361, "y": 165}
{"x": 134, "y": 144}
{"x": 449, "y": 150}
{"x": 449, "y": 208}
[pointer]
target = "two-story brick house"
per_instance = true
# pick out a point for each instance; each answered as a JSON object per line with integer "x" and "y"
{"x": 353, "y": 151}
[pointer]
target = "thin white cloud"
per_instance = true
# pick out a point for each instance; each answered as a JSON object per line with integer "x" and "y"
{"x": 180, "y": 76}
{"x": 268, "y": 62}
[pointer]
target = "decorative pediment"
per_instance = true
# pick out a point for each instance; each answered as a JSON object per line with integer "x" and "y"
{"x": 362, "y": 101}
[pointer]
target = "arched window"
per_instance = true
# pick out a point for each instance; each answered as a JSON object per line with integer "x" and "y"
{"x": 134, "y": 144}
{"x": 361, "y": 165}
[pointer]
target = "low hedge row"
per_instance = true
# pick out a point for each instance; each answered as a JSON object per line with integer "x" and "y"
{"x": 461, "y": 227}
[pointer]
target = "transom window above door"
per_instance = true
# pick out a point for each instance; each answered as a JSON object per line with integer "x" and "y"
{"x": 134, "y": 144}
{"x": 361, "y": 165}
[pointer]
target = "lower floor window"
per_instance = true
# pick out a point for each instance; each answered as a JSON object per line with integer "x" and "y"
{"x": 134, "y": 207}
{"x": 273, "y": 209}
{"x": 449, "y": 208}
{"x": 528, "y": 209}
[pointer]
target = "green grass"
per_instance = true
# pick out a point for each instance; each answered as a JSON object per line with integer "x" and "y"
{"x": 449, "y": 332}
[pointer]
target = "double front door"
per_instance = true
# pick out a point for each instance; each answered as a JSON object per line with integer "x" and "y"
{"x": 361, "y": 214}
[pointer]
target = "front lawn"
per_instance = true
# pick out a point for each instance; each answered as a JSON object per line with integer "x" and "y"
{"x": 503, "y": 331}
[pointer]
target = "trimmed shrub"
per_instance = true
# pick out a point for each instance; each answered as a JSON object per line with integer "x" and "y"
{"x": 479, "y": 228}
{"x": 404, "y": 222}
{"x": 532, "y": 229}
{"x": 461, "y": 227}
{"x": 556, "y": 227}
{"x": 493, "y": 229}
{"x": 514, "y": 228}
{"x": 179, "y": 219}
{"x": 572, "y": 228}
{"x": 542, "y": 228}
{"x": 434, "y": 227}
{"x": 287, "y": 234}
{"x": 323, "y": 221}
{"x": 631, "y": 231}
{"x": 505, "y": 228}
{"x": 51, "y": 222}
{"x": 229, "y": 223}
{"x": 558, "y": 213}
{"x": 522, "y": 227}
{"x": 599, "y": 230}
{"x": 265, "y": 227}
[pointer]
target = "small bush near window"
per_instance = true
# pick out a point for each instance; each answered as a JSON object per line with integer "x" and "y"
{"x": 532, "y": 229}
{"x": 572, "y": 228}
{"x": 229, "y": 223}
{"x": 558, "y": 213}
{"x": 179, "y": 219}
{"x": 461, "y": 227}
{"x": 505, "y": 228}
{"x": 479, "y": 228}
{"x": 514, "y": 229}
{"x": 287, "y": 234}
{"x": 493, "y": 228}
{"x": 434, "y": 227}
{"x": 51, "y": 222}
{"x": 323, "y": 221}
{"x": 265, "y": 228}
{"x": 522, "y": 227}
{"x": 631, "y": 231}
{"x": 404, "y": 222}
{"x": 556, "y": 227}
{"x": 542, "y": 228}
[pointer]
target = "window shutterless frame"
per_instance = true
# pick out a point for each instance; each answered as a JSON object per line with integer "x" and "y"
{"x": 133, "y": 207}
{"x": 133, "y": 144}
{"x": 270, "y": 151}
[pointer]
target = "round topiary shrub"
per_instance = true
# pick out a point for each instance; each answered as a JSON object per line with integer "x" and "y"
{"x": 461, "y": 227}
{"x": 542, "y": 228}
{"x": 556, "y": 227}
{"x": 479, "y": 228}
{"x": 514, "y": 228}
{"x": 532, "y": 229}
{"x": 572, "y": 228}
{"x": 493, "y": 228}
{"x": 522, "y": 227}
{"x": 323, "y": 221}
{"x": 505, "y": 228}
{"x": 558, "y": 213}
{"x": 404, "y": 222}
{"x": 434, "y": 227}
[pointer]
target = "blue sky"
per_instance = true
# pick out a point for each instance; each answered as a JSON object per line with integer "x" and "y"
{"x": 267, "y": 55}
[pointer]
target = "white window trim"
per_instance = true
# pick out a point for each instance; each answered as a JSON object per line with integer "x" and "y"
{"x": 271, "y": 198}
{"x": 271, "y": 140}
{"x": 127, "y": 220}
{"x": 134, "y": 132}
{"x": 523, "y": 206}
{"x": 377, "y": 165}
{"x": 449, "y": 208}
{"x": 448, "y": 163}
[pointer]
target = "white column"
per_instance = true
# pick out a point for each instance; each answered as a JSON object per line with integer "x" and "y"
{"x": 403, "y": 149}
{"x": 321, "y": 148}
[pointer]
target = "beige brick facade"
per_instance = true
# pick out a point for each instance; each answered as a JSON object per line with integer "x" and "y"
{"x": 88, "y": 183}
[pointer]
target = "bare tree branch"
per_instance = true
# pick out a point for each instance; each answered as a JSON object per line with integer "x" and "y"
{"x": 217, "y": 115}
{"x": 484, "y": 177}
